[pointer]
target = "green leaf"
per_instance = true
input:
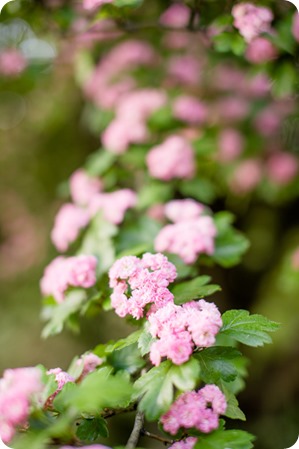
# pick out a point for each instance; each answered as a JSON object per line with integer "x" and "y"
{"x": 201, "y": 189}
{"x": 251, "y": 330}
{"x": 229, "y": 42}
{"x": 217, "y": 363}
{"x": 233, "y": 411}
{"x": 61, "y": 312}
{"x": 157, "y": 386}
{"x": 153, "y": 193}
{"x": 126, "y": 359}
{"x": 99, "y": 162}
{"x": 91, "y": 429}
{"x": 197, "y": 288}
{"x": 124, "y": 342}
{"x": 224, "y": 439}
{"x": 145, "y": 341}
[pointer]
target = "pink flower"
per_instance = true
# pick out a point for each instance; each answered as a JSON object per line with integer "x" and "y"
{"x": 188, "y": 239}
{"x": 232, "y": 109}
{"x": 61, "y": 378}
{"x": 113, "y": 205}
{"x": 62, "y": 272}
{"x": 246, "y": 176}
{"x": 138, "y": 105}
{"x": 121, "y": 133}
{"x": 182, "y": 210}
{"x": 251, "y": 20}
{"x": 139, "y": 282}
{"x": 190, "y": 110}
{"x": 18, "y": 387}
{"x": 185, "y": 69}
{"x": 282, "y": 167}
{"x": 295, "y": 259}
{"x": 12, "y": 62}
{"x": 91, "y": 5}
{"x": 69, "y": 220}
{"x": 260, "y": 50}
{"x": 174, "y": 158}
{"x": 176, "y": 16}
{"x": 230, "y": 145}
{"x": 188, "y": 443}
{"x": 90, "y": 362}
{"x": 268, "y": 121}
{"x": 83, "y": 187}
{"x": 295, "y": 26}
{"x": 195, "y": 409}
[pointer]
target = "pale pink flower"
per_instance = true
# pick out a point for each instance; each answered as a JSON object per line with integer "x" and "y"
{"x": 12, "y": 62}
{"x": 251, "y": 20}
{"x": 176, "y": 40}
{"x": 90, "y": 362}
{"x": 120, "y": 133}
{"x": 138, "y": 105}
{"x": 62, "y": 272}
{"x": 61, "y": 378}
{"x": 232, "y": 109}
{"x": 174, "y": 158}
{"x": 113, "y": 205}
{"x": 188, "y": 443}
{"x": 268, "y": 121}
{"x": 69, "y": 221}
{"x": 156, "y": 212}
{"x": 190, "y": 110}
{"x": 295, "y": 26}
{"x": 182, "y": 210}
{"x": 259, "y": 85}
{"x": 246, "y": 176}
{"x": 185, "y": 69}
{"x": 92, "y": 5}
{"x": 230, "y": 145}
{"x": 282, "y": 167}
{"x": 83, "y": 187}
{"x": 195, "y": 409}
{"x": 260, "y": 50}
{"x": 188, "y": 239}
{"x": 176, "y": 16}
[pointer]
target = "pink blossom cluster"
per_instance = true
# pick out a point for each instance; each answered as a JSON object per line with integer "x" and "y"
{"x": 191, "y": 234}
{"x": 12, "y": 62}
{"x": 295, "y": 27}
{"x": 90, "y": 362}
{"x": 251, "y": 20}
{"x": 179, "y": 329}
{"x": 190, "y": 110}
{"x": 260, "y": 50}
{"x": 63, "y": 272}
{"x": 230, "y": 145}
{"x": 185, "y": 69}
{"x": 129, "y": 125}
{"x": 17, "y": 389}
{"x": 61, "y": 378}
{"x": 104, "y": 87}
{"x": 91, "y": 5}
{"x": 174, "y": 158}
{"x": 86, "y": 192}
{"x": 139, "y": 282}
{"x": 188, "y": 443}
{"x": 176, "y": 16}
{"x": 196, "y": 409}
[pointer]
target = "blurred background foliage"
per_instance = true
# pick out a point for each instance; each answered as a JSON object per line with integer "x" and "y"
{"x": 43, "y": 139}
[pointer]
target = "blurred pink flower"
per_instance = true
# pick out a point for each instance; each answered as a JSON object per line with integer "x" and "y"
{"x": 246, "y": 176}
{"x": 83, "y": 187}
{"x": 230, "y": 145}
{"x": 251, "y": 20}
{"x": 190, "y": 110}
{"x": 295, "y": 26}
{"x": 113, "y": 205}
{"x": 12, "y": 62}
{"x": 268, "y": 121}
{"x": 260, "y": 50}
{"x": 231, "y": 109}
{"x": 61, "y": 378}
{"x": 181, "y": 210}
{"x": 176, "y": 16}
{"x": 185, "y": 69}
{"x": 91, "y": 5}
{"x": 174, "y": 158}
{"x": 282, "y": 167}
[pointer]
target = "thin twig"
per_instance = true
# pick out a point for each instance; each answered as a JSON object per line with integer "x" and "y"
{"x": 156, "y": 437}
{"x": 138, "y": 425}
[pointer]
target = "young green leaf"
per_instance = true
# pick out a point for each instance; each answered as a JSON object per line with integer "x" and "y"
{"x": 197, "y": 288}
{"x": 251, "y": 330}
{"x": 217, "y": 363}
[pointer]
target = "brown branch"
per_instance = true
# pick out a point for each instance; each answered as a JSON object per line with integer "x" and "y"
{"x": 156, "y": 437}
{"x": 137, "y": 429}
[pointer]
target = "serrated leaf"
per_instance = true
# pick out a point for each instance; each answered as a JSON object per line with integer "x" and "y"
{"x": 124, "y": 342}
{"x": 197, "y": 288}
{"x": 251, "y": 330}
{"x": 224, "y": 439}
{"x": 217, "y": 363}
{"x": 91, "y": 429}
{"x": 157, "y": 386}
{"x": 145, "y": 341}
{"x": 126, "y": 359}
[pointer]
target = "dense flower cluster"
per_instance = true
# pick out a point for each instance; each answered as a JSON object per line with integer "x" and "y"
{"x": 62, "y": 272}
{"x": 191, "y": 234}
{"x": 17, "y": 388}
{"x": 86, "y": 192}
{"x": 188, "y": 443}
{"x": 251, "y": 20}
{"x": 139, "y": 282}
{"x": 196, "y": 409}
{"x": 174, "y": 158}
{"x": 179, "y": 329}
